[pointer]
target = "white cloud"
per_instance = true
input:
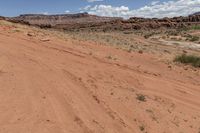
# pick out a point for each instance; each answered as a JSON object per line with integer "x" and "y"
{"x": 154, "y": 2}
{"x": 67, "y": 11}
{"x": 85, "y": 8}
{"x": 45, "y": 13}
{"x": 93, "y": 1}
{"x": 154, "y": 9}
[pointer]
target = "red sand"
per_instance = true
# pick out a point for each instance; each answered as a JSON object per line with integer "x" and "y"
{"x": 69, "y": 86}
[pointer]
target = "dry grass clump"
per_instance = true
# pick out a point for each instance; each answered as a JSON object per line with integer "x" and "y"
{"x": 188, "y": 59}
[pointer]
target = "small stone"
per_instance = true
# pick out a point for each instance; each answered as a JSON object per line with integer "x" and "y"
{"x": 30, "y": 34}
{"x": 140, "y": 51}
{"x": 45, "y": 39}
{"x": 184, "y": 51}
{"x": 169, "y": 66}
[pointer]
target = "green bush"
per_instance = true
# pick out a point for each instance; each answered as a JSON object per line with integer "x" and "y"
{"x": 195, "y": 27}
{"x": 188, "y": 59}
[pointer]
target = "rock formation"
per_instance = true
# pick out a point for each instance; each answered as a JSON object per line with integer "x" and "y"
{"x": 85, "y": 21}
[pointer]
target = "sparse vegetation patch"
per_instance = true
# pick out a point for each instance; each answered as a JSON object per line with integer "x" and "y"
{"x": 188, "y": 59}
{"x": 194, "y": 38}
{"x": 142, "y": 128}
{"x": 195, "y": 27}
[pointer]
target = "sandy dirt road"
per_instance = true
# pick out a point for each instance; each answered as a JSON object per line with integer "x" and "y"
{"x": 70, "y": 86}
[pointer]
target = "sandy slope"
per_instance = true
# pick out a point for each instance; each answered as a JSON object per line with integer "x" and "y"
{"x": 70, "y": 86}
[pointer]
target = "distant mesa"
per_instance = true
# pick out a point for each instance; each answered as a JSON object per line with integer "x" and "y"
{"x": 32, "y": 15}
{"x": 197, "y": 13}
{"x": 85, "y": 21}
{"x": 2, "y": 18}
{"x": 53, "y": 20}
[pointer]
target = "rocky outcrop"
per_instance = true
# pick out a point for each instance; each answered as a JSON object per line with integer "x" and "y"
{"x": 85, "y": 21}
{"x": 18, "y": 21}
{"x": 2, "y": 18}
{"x": 175, "y": 22}
{"x": 53, "y": 20}
{"x": 196, "y": 13}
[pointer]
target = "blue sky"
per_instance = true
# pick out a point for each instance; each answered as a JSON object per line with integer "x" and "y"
{"x": 122, "y": 8}
{"x": 15, "y": 7}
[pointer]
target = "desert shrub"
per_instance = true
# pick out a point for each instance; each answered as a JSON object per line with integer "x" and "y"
{"x": 142, "y": 128}
{"x": 45, "y": 26}
{"x": 148, "y": 35}
{"x": 195, "y": 27}
{"x": 194, "y": 38}
{"x": 188, "y": 59}
{"x": 173, "y": 32}
{"x": 191, "y": 38}
{"x": 141, "y": 97}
